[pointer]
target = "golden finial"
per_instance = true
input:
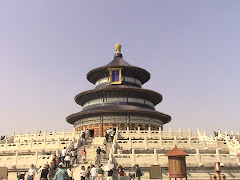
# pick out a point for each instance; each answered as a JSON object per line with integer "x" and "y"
{"x": 118, "y": 48}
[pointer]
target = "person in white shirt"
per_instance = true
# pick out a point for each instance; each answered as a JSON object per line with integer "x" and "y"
{"x": 63, "y": 154}
{"x": 83, "y": 173}
{"x": 70, "y": 172}
{"x": 67, "y": 160}
{"x": 93, "y": 172}
{"x": 31, "y": 173}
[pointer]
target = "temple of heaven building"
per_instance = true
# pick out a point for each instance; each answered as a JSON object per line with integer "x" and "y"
{"x": 118, "y": 99}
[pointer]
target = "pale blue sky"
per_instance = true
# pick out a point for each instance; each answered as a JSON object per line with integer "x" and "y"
{"x": 191, "y": 49}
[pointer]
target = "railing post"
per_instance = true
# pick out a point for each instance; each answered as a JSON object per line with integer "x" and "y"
{"x": 36, "y": 157}
{"x": 180, "y": 133}
{"x": 198, "y": 157}
{"x": 216, "y": 143}
{"x": 149, "y": 132}
{"x": 130, "y": 142}
{"x": 189, "y": 133}
{"x": 190, "y": 142}
{"x": 175, "y": 141}
{"x": 145, "y": 142}
{"x": 161, "y": 142}
{"x": 128, "y": 133}
{"x": 139, "y": 132}
{"x": 16, "y": 158}
{"x": 133, "y": 159}
{"x": 218, "y": 155}
{"x": 160, "y": 132}
{"x": 198, "y": 133}
{"x": 204, "y": 144}
{"x": 218, "y": 134}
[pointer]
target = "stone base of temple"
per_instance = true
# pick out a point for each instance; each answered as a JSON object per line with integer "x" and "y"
{"x": 97, "y": 130}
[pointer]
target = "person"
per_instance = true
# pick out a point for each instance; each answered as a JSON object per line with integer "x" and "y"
{"x": 53, "y": 165}
{"x": 63, "y": 154}
{"x": 75, "y": 155}
{"x": 104, "y": 150}
{"x": 61, "y": 174}
{"x": 31, "y": 173}
{"x": 93, "y": 172}
{"x": 100, "y": 173}
{"x": 83, "y": 173}
{"x": 138, "y": 172}
{"x": 106, "y": 136}
{"x": 45, "y": 173}
{"x": 112, "y": 135}
{"x": 67, "y": 160}
{"x": 110, "y": 174}
{"x": 70, "y": 172}
{"x": 98, "y": 158}
{"x": 121, "y": 172}
{"x": 72, "y": 156}
{"x": 83, "y": 155}
{"x": 40, "y": 169}
{"x": 88, "y": 133}
{"x": 83, "y": 138}
{"x": 88, "y": 172}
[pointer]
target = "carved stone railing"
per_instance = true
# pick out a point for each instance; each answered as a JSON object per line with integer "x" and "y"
{"x": 193, "y": 160}
{"x": 231, "y": 141}
{"x": 37, "y": 136}
{"x": 136, "y": 134}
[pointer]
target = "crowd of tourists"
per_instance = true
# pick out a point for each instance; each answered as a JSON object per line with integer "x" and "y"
{"x": 89, "y": 173}
{"x": 60, "y": 167}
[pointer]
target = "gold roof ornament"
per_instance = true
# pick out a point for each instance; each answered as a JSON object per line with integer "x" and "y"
{"x": 118, "y": 48}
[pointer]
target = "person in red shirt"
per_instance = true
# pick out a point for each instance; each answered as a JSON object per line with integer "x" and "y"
{"x": 83, "y": 155}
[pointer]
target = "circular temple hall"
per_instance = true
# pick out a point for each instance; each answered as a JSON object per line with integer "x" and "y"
{"x": 118, "y": 100}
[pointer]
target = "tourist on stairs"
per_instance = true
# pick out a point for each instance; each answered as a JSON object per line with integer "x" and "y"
{"x": 100, "y": 173}
{"x": 93, "y": 172}
{"x": 83, "y": 155}
{"x": 67, "y": 160}
{"x": 104, "y": 149}
{"x": 83, "y": 173}
{"x": 98, "y": 158}
{"x": 45, "y": 173}
{"x": 31, "y": 173}
{"x": 70, "y": 172}
{"x": 61, "y": 174}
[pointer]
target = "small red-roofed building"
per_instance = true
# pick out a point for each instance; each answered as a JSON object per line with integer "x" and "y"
{"x": 177, "y": 163}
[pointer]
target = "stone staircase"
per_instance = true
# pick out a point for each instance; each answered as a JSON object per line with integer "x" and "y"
{"x": 90, "y": 147}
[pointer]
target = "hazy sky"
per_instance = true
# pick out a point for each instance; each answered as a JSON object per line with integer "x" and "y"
{"x": 191, "y": 49}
